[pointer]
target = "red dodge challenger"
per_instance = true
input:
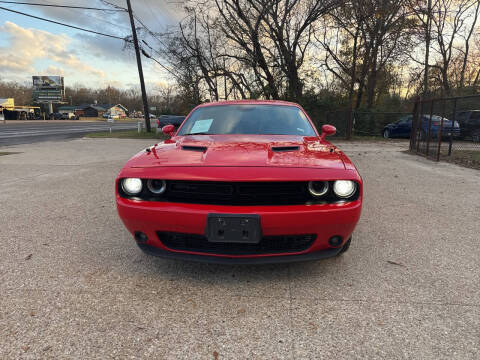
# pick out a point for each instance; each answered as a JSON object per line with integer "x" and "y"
{"x": 242, "y": 182}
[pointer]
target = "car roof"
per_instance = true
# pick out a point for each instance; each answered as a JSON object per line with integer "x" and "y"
{"x": 249, "y": 102}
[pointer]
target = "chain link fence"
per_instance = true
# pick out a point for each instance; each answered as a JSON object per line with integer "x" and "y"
{"x": 447, "y": 128}
{"x": 362, "y": 123}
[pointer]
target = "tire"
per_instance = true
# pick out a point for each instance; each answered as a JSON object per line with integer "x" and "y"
{"x": 386, "y": 134}
{"x": 345, "y": 247}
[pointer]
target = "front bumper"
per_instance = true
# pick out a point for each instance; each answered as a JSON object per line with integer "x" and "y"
{"x": 245, "y": 260}
{"x": 324, "y": 221}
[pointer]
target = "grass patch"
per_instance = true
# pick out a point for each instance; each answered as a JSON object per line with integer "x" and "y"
{"x": 468, "y": 158}
{"x": 121, "y": 120}
{"x": 367, "y": 138}
{"x": 127, "y": 134}
{"x": 7, "y": 153}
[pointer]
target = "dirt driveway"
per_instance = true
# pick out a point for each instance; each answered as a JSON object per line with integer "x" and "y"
{"x": 74, "y": 285}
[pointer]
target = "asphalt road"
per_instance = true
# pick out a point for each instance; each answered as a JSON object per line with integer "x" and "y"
{"x": 25, "y": 133}
{"x": 73, "y": 284}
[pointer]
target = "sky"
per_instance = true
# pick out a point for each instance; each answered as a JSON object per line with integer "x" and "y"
{"x": 34, "y": 47}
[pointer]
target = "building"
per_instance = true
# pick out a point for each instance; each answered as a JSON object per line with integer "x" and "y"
{"x": 66, "y": 110}
{"x": 94, "y": 110}
{"x": 118, "y": 109}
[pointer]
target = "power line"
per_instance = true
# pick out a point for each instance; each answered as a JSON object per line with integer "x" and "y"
{"x": 152, "y": 34}
{"x": 58, "y": 6}
{"x": 73, "y": 8}
{"x": 63, "y": 24}
{"x": 158, "y": 62}
{"x": 94, "y": 15}
{"x": 114, "y": 5}
{"x": 152, "y": 49}
{"x": 151, "y": 10}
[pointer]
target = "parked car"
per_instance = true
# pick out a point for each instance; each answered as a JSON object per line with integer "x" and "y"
{"x": 55, "y": 116}
{"x": 469, "y": 124}
{"x": 175, "y": 120}
{"x": 242, "y": 182}
{"x": 69, "y": 116}
{"x": 403, "y": 127}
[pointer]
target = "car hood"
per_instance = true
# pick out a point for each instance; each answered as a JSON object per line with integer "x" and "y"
{"x": 241, "y": 150}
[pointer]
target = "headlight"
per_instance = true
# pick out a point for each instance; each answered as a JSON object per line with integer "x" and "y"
{"x": 157, "y": 186}
{"x": 318, "y": 188}
{"x": 132, "y": 186}
{"x": 344, "y": 188}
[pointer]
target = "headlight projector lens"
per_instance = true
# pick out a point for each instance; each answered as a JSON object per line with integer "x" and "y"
{"x": 344, "y": 188}
{"x": 157, "y": 186}
{"x": 318, "y": 188}
{"x": 132, "y": 186}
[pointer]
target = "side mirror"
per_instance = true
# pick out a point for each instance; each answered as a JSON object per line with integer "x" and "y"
{"x": 327, "y": 130}
{"x": 169, "y": 130}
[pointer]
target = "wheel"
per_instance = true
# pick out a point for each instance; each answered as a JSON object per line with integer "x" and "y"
{"x": 345, "y": 247}
{"x": 386, "y": 133}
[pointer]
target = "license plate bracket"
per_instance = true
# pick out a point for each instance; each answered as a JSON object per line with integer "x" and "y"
{"x": 233, "y": 228}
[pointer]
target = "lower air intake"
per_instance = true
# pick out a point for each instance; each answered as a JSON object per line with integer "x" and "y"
{"x": 267, "y": 245}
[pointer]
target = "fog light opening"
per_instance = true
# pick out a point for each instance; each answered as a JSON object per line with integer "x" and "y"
{"x": 140, "y": 237}
{"x": 335, "y": 241}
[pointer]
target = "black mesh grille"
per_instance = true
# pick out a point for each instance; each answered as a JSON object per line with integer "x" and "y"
{"x": 237, "y": 193}
{"x": 268, "y": 244}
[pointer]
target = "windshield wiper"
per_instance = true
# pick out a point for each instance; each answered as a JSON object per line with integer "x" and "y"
{"x": 199, "y": 133}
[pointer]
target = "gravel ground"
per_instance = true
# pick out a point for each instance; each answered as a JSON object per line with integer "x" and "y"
{"x": 74, "y": 285}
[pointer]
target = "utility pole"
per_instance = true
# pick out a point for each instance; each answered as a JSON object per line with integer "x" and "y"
{"x": 146, "y": 111}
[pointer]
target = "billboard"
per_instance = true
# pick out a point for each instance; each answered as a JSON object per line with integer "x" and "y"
{"x": 48, "y": 89}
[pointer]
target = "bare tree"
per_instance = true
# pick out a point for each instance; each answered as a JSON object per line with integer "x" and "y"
{"x": 273, "y": 38}
{"x": 362, "y": 38}
{"x": 453, "y": 25}
{"x": 468, "y": 38}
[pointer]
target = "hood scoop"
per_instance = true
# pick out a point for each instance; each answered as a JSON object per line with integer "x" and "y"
{"x": 285, "y": 148}
{"x": 194, "y": 148}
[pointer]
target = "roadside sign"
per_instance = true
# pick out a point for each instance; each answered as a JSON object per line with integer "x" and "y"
{"x": 153, "y": 108}
{"x": 48, "y": 88}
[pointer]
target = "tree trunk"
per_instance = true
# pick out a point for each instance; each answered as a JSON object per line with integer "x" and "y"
{"x": 428, "y": 29}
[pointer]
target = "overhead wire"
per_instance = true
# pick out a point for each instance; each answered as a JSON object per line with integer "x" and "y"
{"x": 170, "y": 71}
{"x": 149, "y": 31}
{"x": 154, "y": 35}
{"x": 58, "y": 6}
{"x": 117, "y": 8}
{"x": 73, "y": 8}
{"x": 113, "y": 5}
{"x": 63, "y": 24}
{"x": 147, "y": 3}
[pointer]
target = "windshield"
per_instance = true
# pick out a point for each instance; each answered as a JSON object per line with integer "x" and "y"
{"x": 248, "y": 119}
